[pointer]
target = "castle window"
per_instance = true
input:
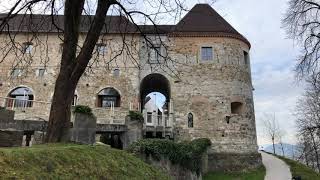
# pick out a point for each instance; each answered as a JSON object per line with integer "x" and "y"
{"x": 155, "y": 56}
{"x": 190, "y": 120}
{"x": 246, "y": 57}
{"x": 206, "y": 54}
{"x": 236, "y": 108}
{"x": 101, "y": 49}
{"x": 60, "y": 47}
{"x": 20, "y": 97}
{"x": 16, "y": 72}
{"x": 74, "y": 100}
{"x": 41, "y": 72}
{"x": 149, "y": 117}
{"x": 108, "y": 97}
{"x": 27, "y": 47}
{"x": 116, "y": 72}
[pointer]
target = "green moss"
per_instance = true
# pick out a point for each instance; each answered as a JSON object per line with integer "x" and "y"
{"x": 69, "y": 161}
{"x": 187, "y": 154}
{"x": 298, "y": 169}
{"x": 83, "y": 109}
{"x": 257, "y": 174}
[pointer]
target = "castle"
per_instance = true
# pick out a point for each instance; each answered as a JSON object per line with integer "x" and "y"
{"x": 201, "y": 65}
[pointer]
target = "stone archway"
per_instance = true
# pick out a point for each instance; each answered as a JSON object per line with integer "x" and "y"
{"x": 154, "y": 83}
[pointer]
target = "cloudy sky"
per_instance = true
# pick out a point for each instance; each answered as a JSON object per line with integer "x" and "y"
{"x": 272, "y": 58}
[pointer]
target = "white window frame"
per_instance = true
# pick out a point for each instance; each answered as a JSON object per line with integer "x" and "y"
{"x": 212, "y": 55}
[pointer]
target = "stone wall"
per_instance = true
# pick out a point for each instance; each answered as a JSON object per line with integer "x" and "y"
{"x": 96, "y": 78}
{"x": 84, "y": 129}
{"x": 6, "y": 115}
{"x": 175, "y": 171}
{"x": 205, "y": 89}
{"x": 234, "y": 161}
{"x": 11, "y": 138}
{"x": 133, "y": 133}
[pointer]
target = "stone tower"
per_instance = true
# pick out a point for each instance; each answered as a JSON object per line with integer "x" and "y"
{"x": 212, "y": 96}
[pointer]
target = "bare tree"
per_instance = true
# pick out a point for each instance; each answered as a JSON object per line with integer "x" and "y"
{"x": 302, "y": 23}
{"x": 271, "y": 127}
{"x": 78, "y": 56}
{"x": 308, "y": 122}
{"x": 281, "y": 134}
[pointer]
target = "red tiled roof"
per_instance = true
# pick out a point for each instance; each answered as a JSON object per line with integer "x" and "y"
{"x": 201, "y": 21}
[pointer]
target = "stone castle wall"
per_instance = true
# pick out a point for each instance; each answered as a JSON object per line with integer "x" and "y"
{"x": 204, "y": 89}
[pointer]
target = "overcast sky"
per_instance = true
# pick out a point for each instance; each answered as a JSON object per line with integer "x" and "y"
{"x": 272, "y": 58}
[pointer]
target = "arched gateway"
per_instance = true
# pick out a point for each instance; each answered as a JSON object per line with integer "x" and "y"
{"x": 156, "y": 116}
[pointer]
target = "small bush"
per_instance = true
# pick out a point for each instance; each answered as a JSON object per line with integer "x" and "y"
{"x": 83, "y": 110}
{"x": 187, "y": 154}
{"x": 136, "y": 115}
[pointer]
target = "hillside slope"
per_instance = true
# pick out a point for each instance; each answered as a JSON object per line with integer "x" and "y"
{"x": 69, "y": 161}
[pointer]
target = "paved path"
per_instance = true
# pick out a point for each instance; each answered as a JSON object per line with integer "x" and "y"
{"x": 276, "y": 169}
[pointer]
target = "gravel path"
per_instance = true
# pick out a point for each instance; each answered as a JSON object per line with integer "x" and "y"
{"x": 276, "y": 169}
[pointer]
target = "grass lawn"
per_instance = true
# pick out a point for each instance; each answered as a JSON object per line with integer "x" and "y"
{"x": 298, "y": 169}
{"x": 257, "y": 174}
{"x": 70, "y": 161}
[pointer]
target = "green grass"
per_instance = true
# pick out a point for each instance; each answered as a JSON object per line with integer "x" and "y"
{"x": 257, "y": 174}
{"x": 298, "y": 169}
{"x": 70, "y": 161}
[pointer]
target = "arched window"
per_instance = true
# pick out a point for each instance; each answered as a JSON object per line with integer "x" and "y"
{"x": 108, "y": 97}
{"x": 236, "y": 108}
{"x": 20, "y": 97}
{"x": 116, "y": 72}
{"x": 190, "y": 120}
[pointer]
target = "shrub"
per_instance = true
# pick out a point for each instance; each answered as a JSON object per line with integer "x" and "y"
{"x": 136, "y": 115}
{"x": 187, "y": 154}
{"x": 83, "y": 110}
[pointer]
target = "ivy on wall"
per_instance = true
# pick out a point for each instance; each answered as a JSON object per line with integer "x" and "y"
{"x": 136, "y": 115}
{"x": 83, "y": 110}
{"x": 187, "y": 154}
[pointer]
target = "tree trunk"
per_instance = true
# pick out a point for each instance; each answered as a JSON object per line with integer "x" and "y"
{"x": 72, "y": 66}
{"x": 315, "y": 147}
{"x": 274, "y": 149}
{"x": 60, "y": 112}
{"x": 282, "y": 148}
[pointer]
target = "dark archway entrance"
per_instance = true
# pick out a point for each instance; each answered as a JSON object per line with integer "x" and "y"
{"x": 155, "y": 104}
{"x": 154, "y": 83}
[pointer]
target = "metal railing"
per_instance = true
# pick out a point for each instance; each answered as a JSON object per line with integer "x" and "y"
{"x": 14, "y": 103}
